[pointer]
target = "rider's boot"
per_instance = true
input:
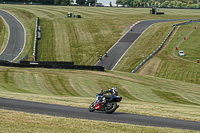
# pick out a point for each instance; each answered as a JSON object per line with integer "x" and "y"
{"x": 102, "y": 103}
{"x": 103, "y": 100}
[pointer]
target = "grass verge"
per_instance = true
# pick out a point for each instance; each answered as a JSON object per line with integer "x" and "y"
{"x": 18, "y": 122}
{"x": 3, "y": 34}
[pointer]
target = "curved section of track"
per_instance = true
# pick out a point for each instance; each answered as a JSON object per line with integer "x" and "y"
{"x": 16, "y": 39}
{"x": 83, "y": 113}
{"x": 121, "y": 47}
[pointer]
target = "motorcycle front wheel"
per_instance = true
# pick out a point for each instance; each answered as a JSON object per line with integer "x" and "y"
{"x": 92, "y": 107}
{"x": 111, "y": 107}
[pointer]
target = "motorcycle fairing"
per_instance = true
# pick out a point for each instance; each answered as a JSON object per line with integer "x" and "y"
{"x": 97, "y": 107}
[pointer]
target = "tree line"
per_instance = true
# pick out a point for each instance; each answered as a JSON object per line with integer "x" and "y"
{"x": 129, "y": 3}
{"x": 50, "y": 2}
{"x": 160, "y": 3}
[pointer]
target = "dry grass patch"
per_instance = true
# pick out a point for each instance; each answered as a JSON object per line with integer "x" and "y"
{"x": 151, "y": 67}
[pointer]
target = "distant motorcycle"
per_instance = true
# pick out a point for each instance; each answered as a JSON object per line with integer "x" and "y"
{"x": 109, "y": 107}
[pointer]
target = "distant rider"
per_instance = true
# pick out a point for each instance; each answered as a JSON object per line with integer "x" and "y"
{"x": 113, "y": 92}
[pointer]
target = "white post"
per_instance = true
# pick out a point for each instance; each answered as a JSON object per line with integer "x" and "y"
{"x": 197, "y": 3}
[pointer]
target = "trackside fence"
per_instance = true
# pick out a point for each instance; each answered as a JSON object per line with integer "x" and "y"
{"x": 51, "y": 65}
{"x": 162, "y": 44}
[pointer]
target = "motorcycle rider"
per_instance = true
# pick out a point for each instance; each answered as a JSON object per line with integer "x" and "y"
{"x": 113, "y": 92}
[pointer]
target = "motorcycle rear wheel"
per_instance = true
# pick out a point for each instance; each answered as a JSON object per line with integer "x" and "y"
{"x": 111, "y": 109}
{"x": 92, "y": 108}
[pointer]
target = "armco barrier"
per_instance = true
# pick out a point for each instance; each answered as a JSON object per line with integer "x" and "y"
{"x": 52, "y": 65}
{"x": 35, "y": 49}
{"x": 191, "y": 21}
{"x": 151, "y": 55}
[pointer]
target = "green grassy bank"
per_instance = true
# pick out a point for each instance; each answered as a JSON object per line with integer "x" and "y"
{"x": 167, "y": 63}
{"x": 3, "y": 34}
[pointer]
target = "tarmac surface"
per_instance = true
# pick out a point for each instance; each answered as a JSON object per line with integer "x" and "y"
{"x": 16, "y": 39}
{"x": 83, "y": 113}
{"x": 121, "y": 47}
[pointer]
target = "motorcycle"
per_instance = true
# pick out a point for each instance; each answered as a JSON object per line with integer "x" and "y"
{"x": 109, "y": 107}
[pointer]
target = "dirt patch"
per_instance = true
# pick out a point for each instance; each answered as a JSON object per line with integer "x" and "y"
{"x": 124, "y": 31}
{"x": 151, "y": 68}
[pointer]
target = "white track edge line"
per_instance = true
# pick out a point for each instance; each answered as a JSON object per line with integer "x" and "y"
{"x": 24, "y": 38}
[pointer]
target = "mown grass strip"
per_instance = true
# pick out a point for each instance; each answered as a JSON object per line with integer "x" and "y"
{"x": 173, "y": 97}
{"x": 122, "y": 91}
{"x": 46, "y": 46}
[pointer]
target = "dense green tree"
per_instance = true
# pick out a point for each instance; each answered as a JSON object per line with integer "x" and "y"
{"x": 92, "y": 2}
{"x": 173, "y": 4}
{"x": 130, "y": 3}
{"x": 62, "y": 2}
{"x": 110, "y": 4}
{"x": 57, "y": 2}
{"x": 165, "y": 4}
{"x": 81, "y": 2}
{"x": 179, "y": 4}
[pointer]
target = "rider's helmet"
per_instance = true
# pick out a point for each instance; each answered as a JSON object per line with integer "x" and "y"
{"x": 114, "y": 88}
{"x": 115, "y": 92}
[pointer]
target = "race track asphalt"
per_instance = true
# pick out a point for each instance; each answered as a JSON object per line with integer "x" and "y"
{"x": 83, "y": 113}
{"x": 119, "y": 49}
{"x": 16, "y": 39}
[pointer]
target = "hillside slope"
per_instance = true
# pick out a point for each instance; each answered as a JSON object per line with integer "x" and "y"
{"x": 167, "y": 63}
{"x": 81, "y": 40}
{"x": 141, "y": 94}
